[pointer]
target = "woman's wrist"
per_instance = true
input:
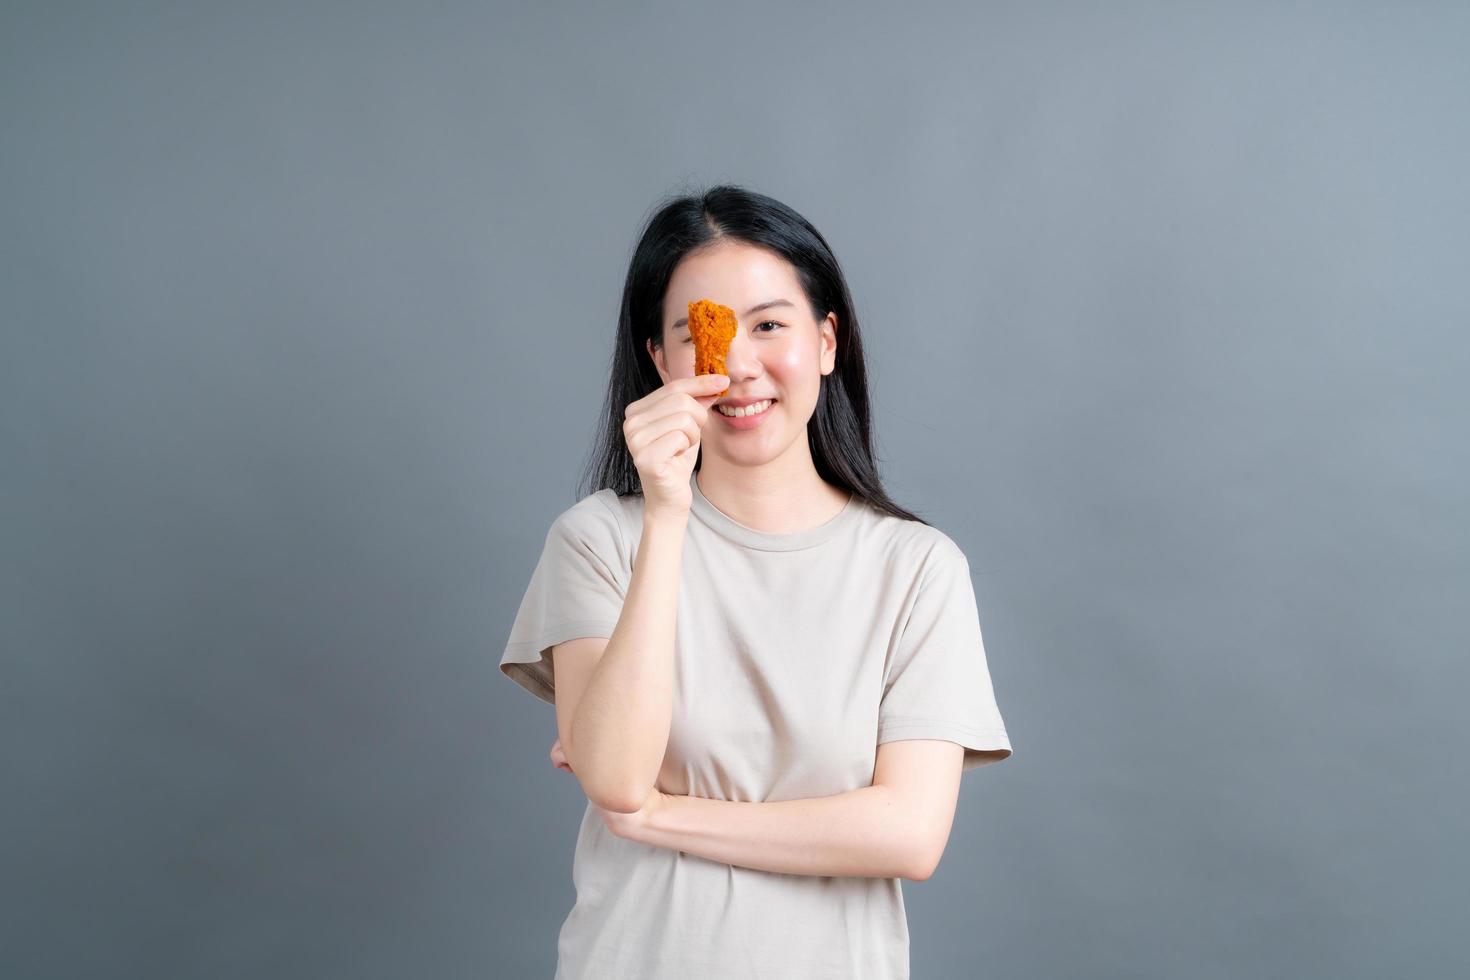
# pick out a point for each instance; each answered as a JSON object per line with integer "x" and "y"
{"x": 645, "y": 828}
{"x": 667, "y": 522}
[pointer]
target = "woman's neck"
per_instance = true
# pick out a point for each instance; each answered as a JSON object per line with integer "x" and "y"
{"x": 779, "y": 497}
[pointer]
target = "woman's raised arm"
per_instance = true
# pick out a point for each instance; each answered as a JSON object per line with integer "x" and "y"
{"x": 619, "y": 727}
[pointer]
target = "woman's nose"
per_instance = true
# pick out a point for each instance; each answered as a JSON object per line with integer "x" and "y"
{"x": 740, "y": 359}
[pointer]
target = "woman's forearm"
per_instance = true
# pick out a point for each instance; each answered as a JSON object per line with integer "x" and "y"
{"x": 620, "y": 731}
{"x": 863, "y": 832}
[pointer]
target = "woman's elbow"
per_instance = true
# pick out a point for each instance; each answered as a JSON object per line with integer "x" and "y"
{"x": 923, "y": 865}
{"x": 615, "y": 799}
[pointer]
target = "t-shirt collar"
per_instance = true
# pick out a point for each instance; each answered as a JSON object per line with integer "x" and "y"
{"x": 720, "y": 522}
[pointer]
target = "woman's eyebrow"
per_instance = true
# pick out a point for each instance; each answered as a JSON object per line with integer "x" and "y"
{"x": 683, "y": 321}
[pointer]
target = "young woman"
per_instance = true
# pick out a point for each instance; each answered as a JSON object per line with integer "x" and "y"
{"x": 768, "y": 677}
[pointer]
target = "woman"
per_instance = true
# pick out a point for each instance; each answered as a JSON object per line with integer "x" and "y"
{"x": 768, "y": 677}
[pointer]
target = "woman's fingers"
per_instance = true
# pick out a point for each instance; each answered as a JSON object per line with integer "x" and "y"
{"x": 701, "y": 386}
{"x": 642, "y": 434}
{"x": 668, "y": 446}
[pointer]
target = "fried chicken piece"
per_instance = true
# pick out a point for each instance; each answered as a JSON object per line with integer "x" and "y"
{"x": 713, "y": 328}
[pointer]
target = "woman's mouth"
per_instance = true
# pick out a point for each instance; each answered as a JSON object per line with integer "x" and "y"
{"x": 748, "y": 417}
{"x": 752, "y": 409}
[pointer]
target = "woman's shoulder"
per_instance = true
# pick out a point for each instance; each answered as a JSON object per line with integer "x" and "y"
{"x": 917, "y": 544}
{"x": 601, "y": 515}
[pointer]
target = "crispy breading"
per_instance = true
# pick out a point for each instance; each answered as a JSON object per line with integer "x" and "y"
{"x": 713, "y": 327}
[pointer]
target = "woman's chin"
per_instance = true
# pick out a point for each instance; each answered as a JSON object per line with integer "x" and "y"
{"x": 751, "y": 452}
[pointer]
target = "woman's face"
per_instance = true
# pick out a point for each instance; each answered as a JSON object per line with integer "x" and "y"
{"x": 779, "y": 352}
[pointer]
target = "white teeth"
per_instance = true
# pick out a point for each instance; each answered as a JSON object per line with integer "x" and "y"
{"x": 755, "y": 409}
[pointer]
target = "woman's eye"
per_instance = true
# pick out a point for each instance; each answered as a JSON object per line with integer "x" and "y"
{"x": 768, "y": 323}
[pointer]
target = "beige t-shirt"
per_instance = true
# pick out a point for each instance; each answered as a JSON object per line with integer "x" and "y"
{"x": 796, "y": 655}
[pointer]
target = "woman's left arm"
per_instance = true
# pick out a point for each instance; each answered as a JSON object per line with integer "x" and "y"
{"x": 895, "y": 828}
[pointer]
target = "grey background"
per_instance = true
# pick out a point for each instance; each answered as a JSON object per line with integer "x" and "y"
{"x": 307, "y": 310}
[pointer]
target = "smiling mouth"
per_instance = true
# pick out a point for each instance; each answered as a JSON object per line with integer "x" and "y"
{"x": 757, "y": 408}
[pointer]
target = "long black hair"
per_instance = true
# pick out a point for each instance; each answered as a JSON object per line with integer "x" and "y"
{"x": 840, "y": 429}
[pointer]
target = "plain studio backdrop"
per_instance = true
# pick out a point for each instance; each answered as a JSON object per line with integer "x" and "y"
{"x": 307, "y": 315}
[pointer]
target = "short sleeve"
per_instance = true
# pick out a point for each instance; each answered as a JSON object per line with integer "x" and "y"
{"x": 937, "y": 685}
{"x": 576, "y": 590}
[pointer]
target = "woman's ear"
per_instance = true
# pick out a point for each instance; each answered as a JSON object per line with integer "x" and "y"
{"x": 656, "y": 354}
{"x": 829, "y": 343}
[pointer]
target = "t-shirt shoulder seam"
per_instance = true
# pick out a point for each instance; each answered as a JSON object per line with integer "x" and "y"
{"x": 617, "y": 517}
{"x": 941, "y": 548}
{"x": 586, "y": 511}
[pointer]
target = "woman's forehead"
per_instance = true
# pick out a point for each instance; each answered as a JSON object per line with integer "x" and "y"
{"x": 734, "y": 276}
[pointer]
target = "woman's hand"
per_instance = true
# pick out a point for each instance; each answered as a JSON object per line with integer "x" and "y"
{"x": 662, "y": 430}
{"x": 558, "y": 757}
{"x": 621, "y": 824}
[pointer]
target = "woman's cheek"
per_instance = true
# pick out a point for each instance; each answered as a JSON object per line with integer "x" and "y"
{"x": 791, "y": 358}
